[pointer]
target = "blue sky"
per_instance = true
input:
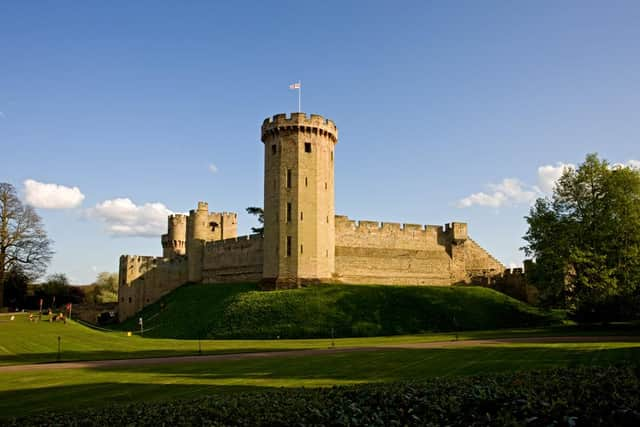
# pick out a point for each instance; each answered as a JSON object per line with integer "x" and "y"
{"x": 446, "y": 110}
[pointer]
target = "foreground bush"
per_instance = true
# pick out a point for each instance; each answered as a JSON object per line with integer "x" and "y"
{"x": 567, "y": 397}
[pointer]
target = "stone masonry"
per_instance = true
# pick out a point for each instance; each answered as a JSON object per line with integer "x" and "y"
{"x": 304, "y": 241}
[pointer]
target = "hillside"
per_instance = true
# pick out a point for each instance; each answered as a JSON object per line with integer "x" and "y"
{"x": 241, "y": 311}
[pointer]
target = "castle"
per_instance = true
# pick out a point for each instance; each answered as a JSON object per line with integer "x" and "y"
{"x": 304, "y": 241}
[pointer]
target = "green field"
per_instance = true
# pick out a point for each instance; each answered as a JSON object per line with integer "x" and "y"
{"x": 240, "y": 311}
{"x": 24, "y": 392}
{"x": 35, "y": 391}
{"x": 22, "y": 341}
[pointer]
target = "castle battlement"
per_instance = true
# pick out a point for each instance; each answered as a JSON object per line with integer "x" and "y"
{"x": 345, "y": 223}
{"x": 299, "y": 122}
{"x": 232, "y": 241}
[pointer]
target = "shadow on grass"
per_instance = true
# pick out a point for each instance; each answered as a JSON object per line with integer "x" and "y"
{"x": 86, "y": 356}
{"x": 101, "y": 385}
{"x": 20, "y": 403}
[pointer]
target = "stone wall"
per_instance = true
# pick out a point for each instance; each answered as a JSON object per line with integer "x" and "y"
{"x": 391, "y": 253}
{"x": 233, "y": 260}
{"x": 145, "y": 279}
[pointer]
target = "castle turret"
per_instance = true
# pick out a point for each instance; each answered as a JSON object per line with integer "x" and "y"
{"x": 299, "y": 209}
{"x": 175, "y": 241}
{"x": 203, "y": 227}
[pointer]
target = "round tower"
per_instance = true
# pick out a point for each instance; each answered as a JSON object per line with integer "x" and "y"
{"x": 174, "y": 242}
{"x": 197, "y": 233}
{"x": 299, "y": 207}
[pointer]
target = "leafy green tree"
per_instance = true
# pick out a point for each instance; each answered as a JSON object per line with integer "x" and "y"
{"x": 106, "y": 286}
{"x": 15, "y": 288}
{"x": 24, "y": 244}
{"x": 57, "y": 286}
{"x": 586, "y": 241}
{"x": 259, "y": 212}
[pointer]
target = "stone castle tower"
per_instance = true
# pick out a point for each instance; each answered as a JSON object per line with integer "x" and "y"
{"x": 299, "y": 207}
{"x": 203, "y": 227}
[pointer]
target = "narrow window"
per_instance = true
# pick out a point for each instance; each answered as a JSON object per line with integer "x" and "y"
{"x": 288, "y": 245}
{"x": 288, "y": 212}
{"x": 301, "y": 249}
{"x": 307, "y": 147}
{"x": 327, "y": 220}
{"x": 327, "y": 253}
{"x": 325, "y": 185}
{"x": 274, "y": 149}
{"x": 301, "y": 216}
{"x": 129, "y": 299}
{"x": 306, "y": 182}
{"x": 288, "y": 178}
{"x": 332, "y": 156}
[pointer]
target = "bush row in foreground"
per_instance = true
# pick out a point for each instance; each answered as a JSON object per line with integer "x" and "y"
{"x": 569, "y": 396}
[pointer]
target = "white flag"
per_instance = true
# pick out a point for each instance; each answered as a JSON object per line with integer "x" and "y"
{"x": 294, "y": 86}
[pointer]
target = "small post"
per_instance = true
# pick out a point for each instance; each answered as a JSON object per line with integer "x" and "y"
{"x": 141, "y": 323}
{"x": 59, "y": 339}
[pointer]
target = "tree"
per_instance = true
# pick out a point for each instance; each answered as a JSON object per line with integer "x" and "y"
{"x": 24, "y": 244}
{"x": 259, "y": 212}
{"x": 586, "y": 241}
{"x": 15, "y": 288}
{"x": 106, "y": 287}
{"x": 57, "y": 286}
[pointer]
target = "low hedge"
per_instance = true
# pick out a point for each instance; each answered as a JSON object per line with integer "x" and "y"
{"x": 604, "y": 396}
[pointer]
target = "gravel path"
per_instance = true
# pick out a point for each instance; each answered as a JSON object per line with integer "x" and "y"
{"x": 311, "y": 352}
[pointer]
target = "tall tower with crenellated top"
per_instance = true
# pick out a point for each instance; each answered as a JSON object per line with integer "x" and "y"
{"x": 299, "y": 206}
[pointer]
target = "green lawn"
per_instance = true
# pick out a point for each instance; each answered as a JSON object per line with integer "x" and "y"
{"x": 40, "y": 391}
{"x": 241, "y": 311}
{"x": 22, "y": 341}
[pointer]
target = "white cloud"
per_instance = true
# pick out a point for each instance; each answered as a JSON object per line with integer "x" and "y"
{"x": 635, "y": 164}
{"x": 2, "y": 115}
{"x": 51, "y": 196}
{"x": 549, "y": 175}
{"x": 124, "y": 218}
{"x": 213, "y": 168}
{"x": 509, "y": 191}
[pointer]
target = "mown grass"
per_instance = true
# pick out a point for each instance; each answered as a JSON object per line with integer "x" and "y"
{"x": 241, "y": 311}
{"x": 25, "y": 392}
{"x": 22, "y": 341}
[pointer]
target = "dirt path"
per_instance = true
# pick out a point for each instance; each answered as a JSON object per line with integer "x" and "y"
{"x": 310, "y": 352}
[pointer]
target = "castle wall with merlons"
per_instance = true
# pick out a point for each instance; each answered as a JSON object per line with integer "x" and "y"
{"x": 369, "y": 252}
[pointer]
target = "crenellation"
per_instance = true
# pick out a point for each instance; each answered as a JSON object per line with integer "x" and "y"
{"x": 391, "y": 226}
{"x": 412, "y": 227}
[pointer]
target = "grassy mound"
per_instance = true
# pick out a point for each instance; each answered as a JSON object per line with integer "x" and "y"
{"x": 241, "y": 311}
{"x": 577, "y": 396}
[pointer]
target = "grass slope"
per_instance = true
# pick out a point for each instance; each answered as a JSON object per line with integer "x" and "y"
{"x": 241, "y": 311}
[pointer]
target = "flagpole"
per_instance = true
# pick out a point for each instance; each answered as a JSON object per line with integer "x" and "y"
{"x": 299, "y": 95}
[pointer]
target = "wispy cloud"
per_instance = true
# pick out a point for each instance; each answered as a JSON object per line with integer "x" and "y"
{"x": 213, "y": 168}
{"x": 509, "y": 191}
{"x": 51, "y": 196}
{"x": 123, "y": 217}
